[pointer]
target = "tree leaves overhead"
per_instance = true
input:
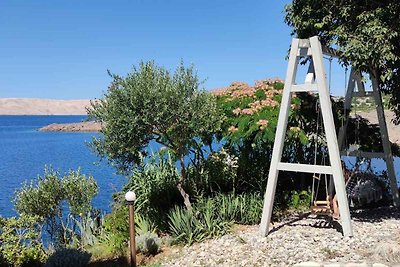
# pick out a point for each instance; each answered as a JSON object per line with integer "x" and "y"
{"x": 367, "y": 33}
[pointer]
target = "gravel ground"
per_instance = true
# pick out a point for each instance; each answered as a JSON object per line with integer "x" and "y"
{"x": 299, "y": 240}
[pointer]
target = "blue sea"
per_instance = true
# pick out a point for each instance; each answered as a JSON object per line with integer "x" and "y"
{"x": 25, "y": 152}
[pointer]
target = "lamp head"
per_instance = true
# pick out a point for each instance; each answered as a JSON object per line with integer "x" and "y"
{"x": 130, "y": 197}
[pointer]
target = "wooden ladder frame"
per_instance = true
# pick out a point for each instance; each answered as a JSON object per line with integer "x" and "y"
{"x": 315, "y": 82}
{"x": 386, "y": 155}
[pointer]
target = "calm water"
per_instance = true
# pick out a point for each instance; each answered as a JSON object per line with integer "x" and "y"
{"x": 25, "y": 152}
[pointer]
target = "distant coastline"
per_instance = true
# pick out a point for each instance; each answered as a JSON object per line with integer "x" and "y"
{"x": 38, "y": 106}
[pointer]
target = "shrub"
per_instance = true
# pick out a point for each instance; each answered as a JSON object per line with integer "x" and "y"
{"x": 184, "y": 226}
{"x": 46, "y": 198}
{"x": 144, "y": 225}
{"x": 299, "y": 200}
{"x": 155, "y": 186}
{"x": 116, "y": 230}
{"x": 148, "y": 243}
{"x": 216, "y": 174}
{"x": 20, "y": 242}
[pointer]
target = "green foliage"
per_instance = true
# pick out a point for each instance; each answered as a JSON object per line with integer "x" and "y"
{"x": 251, "y": 115}
{"x": 298, "y": 200}
{"x": 150, "y": 103}
{"x": 148, "y": 243}
{"x": 216, "y": 174}
{"x": 184, "y": 226}
{"x": 45, "y": 198}
{"x": 242, "y": 209}
{"x": 144, "y": 225}
{"x": 367, "y": 36}
{"x": 116, "y": 230}
{"x": 20, "y": 241}
{"x": 68, "y": 257}
{"x": 155, "y": 185}
{"x": 89, "y": 229}
{"x": 213, "y": 217}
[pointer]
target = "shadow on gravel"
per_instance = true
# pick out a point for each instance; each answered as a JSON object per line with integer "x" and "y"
{"x": 321, "y": 222}
{"x": 376, "y": 214}
{"x": 324, "y": 222}
{"x": 372, "y": 215}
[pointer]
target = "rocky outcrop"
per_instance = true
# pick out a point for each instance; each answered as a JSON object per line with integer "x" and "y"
{"x": 88, "y": 126}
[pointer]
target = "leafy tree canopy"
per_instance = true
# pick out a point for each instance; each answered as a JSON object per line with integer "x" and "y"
{"x": 367, "y": 33}
{"x": 149, "y": 104}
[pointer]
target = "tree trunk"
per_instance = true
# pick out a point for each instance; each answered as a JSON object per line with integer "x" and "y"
{"x": 179, "y": 185}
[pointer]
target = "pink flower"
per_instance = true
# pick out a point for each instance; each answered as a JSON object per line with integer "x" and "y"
{"x": 236, "y": 111}
{"x": 263, "y": 122}
{"x": 232, "y": 129}
{"x": 247, "y": 111}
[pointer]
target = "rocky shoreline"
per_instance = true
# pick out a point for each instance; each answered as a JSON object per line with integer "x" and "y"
{"x": 303, "y": 242}
{"x": 88, "y": 126}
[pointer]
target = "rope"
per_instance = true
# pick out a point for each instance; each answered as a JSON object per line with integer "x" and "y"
{"x": 330, "y": 74}
{"x": 345, "y": 93}
{"x": 317, "y": 110}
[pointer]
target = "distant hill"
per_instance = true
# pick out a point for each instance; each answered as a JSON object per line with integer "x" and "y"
{"x": 36, "y": 106}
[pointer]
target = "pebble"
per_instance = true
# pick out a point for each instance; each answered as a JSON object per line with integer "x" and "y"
{"x": 311, "y": 241}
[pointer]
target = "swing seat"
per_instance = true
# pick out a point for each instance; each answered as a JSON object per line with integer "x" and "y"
{"x": 321, "y": 207}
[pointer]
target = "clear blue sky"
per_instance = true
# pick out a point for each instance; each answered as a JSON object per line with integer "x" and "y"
{"x": 62, "y": 49}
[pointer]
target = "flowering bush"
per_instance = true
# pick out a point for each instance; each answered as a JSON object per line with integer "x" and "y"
{"x": 252, "y": 111}
{"x": 250, "y": 119}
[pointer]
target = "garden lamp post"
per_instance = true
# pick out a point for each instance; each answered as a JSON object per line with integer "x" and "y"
{"x": 130, "y": 197}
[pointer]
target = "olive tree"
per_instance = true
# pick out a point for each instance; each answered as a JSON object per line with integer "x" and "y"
{"x": 150, "y": 103}
{"x": 367, "y": 34}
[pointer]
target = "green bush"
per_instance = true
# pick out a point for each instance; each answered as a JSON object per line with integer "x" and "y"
{"x": 155, "y": 186}
{"x": 148, "y": 243}
{"x": 46, "y": 198}
{"x": 184, "y": 226}
{"x": 20, "y": 242}
{"x": 116, "y": 230}
{"x": 216, "y": 174}
{"x": 144, "y": 225}
{"x": 299, "y": 200}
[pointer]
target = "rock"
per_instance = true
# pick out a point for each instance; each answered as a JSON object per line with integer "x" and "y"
{"x": 308, "y": 264}
{"x": 88, "y": 126}
{"x": 379, "y": 265}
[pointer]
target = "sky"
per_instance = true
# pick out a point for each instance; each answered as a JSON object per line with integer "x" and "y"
{"x": 63, "y": 49}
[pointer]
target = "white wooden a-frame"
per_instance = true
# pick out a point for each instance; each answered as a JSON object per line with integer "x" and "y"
{"x": 355, "y": 79}
{"x": 306, "y": 48}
